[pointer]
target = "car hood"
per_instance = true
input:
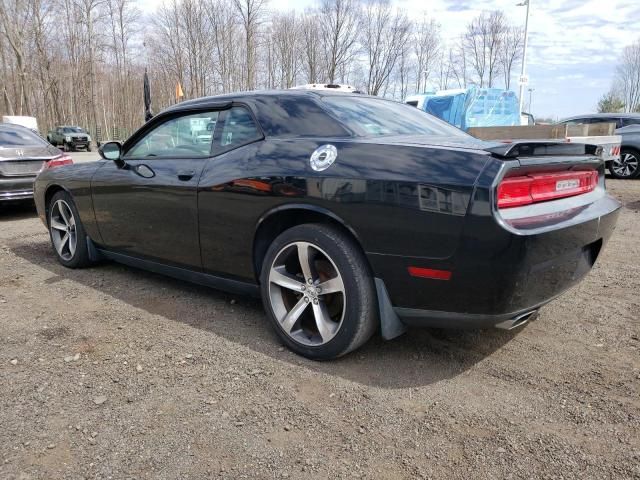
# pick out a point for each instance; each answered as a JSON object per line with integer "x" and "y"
{"x": 76, "y": 134}
{"x": 466, "y": 142}
{"x": 33, "y": 152}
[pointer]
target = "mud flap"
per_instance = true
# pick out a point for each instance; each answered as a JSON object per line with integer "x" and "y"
{"x": 94, "y": 255}
{"x": 390, "y": 324}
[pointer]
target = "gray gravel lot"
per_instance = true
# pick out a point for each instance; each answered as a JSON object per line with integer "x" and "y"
{"x": 112, "y": 372}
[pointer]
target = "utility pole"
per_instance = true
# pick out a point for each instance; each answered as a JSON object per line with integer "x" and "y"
{"x": 530, "y": 96}
{"x": 526, "y": 3}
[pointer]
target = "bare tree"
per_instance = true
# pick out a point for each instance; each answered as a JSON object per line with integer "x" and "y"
{"x": 510, "y": 52}
{"x": 226, "y": 43}
{"x": 427, "y": 41}
{"x": 458, "y": 61}
{"x": 482, "y": 42}
{"x": 627, "y": 80}
{"x": 250, "y": 11}
{"x": 312, "y": 47}
{"x": 286, "y": 33}
{"x": 15, "y": 28}
{"x": 339, "y": 33}
{"x": 384, "y": 36}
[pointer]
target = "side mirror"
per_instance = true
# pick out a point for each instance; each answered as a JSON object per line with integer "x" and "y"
{"x": 112, "y": 151}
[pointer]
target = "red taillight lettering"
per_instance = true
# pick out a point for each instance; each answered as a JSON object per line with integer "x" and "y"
{"x": 541, "y": 187}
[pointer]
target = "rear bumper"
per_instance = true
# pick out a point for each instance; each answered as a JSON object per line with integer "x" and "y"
{"x": 498, "y": 274}
{"x": 18, "y": 188}
{"x": 433, "y": 319}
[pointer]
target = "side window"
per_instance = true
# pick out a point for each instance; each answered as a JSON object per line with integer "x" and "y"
{"x": 630, "y": 121}
{"x": 186, "y": 136}
{"x": 239, "y": 128}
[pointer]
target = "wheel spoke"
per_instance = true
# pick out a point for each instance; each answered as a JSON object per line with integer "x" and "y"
{"x": 305, "y": 260}
{"x": 63, "y": 242}
{"x": 333, "y": 285}
{"x": 72, "y": 243}
{"x": 326, "y": 328}
{"x": 58, "y": 225}
{"x": 279, "y": 278}
{"x": 294, "y": 314}
{"x": 63, "y": 214}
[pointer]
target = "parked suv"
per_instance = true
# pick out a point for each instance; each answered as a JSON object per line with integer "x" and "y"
{"x": 69, "y": 138}
{"x": 628, "y": 127}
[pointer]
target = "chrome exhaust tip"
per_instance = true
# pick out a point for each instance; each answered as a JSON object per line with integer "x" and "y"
{"x": 518, "y": 321}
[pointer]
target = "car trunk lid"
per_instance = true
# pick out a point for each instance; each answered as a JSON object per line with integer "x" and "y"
{"x": 542, "y": 171}
{"x": 25, "y": 161}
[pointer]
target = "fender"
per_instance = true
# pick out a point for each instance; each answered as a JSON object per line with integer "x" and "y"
{"x": 310, "y": 208}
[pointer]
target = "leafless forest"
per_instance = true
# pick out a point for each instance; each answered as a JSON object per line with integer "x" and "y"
{"x": 82, "y": 61}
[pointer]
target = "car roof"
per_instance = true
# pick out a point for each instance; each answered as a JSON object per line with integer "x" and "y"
{"x": 253, "y": 94}
{"x": 605, "y": 115}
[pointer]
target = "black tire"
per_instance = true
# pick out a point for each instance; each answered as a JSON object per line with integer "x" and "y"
{"x": 88, "y": 148}
{"x": 80, "y": 257}
{"x": 629, "y": 157}
{"x": 359, "y": 319}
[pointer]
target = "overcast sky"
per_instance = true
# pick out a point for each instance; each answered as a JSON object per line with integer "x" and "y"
{"x": 574, "y": 45}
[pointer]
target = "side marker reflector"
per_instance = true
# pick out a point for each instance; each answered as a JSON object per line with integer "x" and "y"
{"x": 429, "y": 273}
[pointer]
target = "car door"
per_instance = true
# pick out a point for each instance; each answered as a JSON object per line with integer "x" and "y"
{"x": 148, "y": 207}
{"x": 224, "y": 195}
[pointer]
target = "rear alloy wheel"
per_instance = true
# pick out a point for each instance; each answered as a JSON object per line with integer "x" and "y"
{"x": 627, "y": 166}
{"x": 67, "y": 233}
{"x": 318, "y": 291}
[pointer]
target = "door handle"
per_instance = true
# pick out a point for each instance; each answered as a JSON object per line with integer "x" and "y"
{"x": 185, "y": 175}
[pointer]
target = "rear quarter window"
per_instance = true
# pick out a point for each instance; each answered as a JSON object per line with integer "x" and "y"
{"x": 296, "y": 116}
{"x": 10, "y": 137}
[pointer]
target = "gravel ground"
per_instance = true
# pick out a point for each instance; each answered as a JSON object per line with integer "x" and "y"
{"x": 116, "y": 373}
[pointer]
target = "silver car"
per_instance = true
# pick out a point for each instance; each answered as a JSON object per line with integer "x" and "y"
{"x": 23, "y": 154}
{"x": 628, "y": 127}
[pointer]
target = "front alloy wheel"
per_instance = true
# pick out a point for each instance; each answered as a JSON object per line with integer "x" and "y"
{"x": 67, "y": 232}
{"x": 318, "y": 291}
{"x": 63, "y": 230}
{"x": 626, "y": 166}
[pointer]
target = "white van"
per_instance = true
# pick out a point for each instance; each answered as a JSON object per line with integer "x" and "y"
{"x": 30, "y": 122}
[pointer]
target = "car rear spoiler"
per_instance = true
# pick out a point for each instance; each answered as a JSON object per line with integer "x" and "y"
{"x": 536, "y": 148}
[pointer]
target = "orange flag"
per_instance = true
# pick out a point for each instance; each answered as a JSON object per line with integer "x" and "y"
{"x": 179, "y": 92}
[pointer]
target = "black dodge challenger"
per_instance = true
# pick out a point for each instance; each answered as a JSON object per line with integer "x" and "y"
{"x": 346, "y": 213}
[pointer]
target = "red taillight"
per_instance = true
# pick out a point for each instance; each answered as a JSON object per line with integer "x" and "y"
{"x": 540, "y": 187}
{"x": 58, "y": 162}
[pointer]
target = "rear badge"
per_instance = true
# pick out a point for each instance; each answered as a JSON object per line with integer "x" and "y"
{"x": 323, "y": 157}
{"x": 567, "y": 184}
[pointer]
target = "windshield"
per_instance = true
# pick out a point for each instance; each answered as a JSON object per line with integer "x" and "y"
{"x": 18, "y": 137}
{"x": 73, "y": 130}
{"x": 374, "y": 117}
